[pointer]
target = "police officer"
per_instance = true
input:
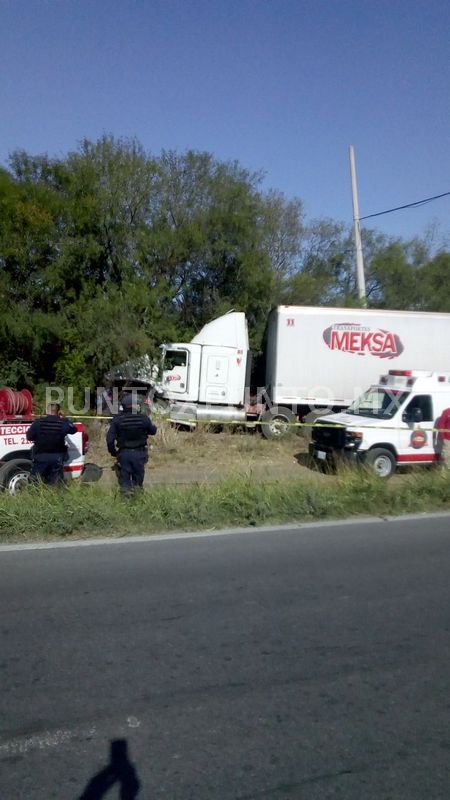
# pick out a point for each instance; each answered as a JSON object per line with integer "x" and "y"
{"x": 127, "y": 440}
{"x": 48, "y": 435}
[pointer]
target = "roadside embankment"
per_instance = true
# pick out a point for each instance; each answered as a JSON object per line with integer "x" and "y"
{"x": 40, "y": 513}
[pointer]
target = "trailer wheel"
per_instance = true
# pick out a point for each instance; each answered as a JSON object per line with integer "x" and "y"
{"x": 15, "y": 475}
{"x": 277, "y": 422}
{"x": 382, "y": 462}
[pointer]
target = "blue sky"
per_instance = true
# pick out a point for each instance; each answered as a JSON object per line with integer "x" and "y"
{"x": 280, "y": 85}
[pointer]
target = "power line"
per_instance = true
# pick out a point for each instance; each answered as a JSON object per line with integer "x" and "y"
{"x": 408, "y": 205}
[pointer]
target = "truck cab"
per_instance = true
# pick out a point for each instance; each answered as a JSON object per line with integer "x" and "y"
{"x": 206, "y": 377}
{"x": 393, "y": 424}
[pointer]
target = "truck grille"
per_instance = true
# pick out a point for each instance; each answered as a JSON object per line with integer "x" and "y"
{"x": 329, "y": 436}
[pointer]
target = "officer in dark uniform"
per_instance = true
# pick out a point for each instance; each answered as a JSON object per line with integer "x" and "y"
{"x": 127, "y": 440}
{"x": 48, "y": 435}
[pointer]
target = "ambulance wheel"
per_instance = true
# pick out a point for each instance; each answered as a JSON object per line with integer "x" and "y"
{"x": 381, "y": 461}
{"x": 277, "y": 422}
{"x": 15, "y": 475}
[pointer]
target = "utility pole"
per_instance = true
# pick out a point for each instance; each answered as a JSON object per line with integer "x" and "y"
{"x": 358, "y": 245}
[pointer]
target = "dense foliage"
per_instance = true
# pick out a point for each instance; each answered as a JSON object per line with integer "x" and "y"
{"x": 109, "y": 251}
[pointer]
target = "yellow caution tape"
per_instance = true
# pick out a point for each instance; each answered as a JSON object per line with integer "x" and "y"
{"x": 252, "y": 424}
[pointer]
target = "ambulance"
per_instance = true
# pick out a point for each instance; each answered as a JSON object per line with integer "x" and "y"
{"x": 393, "y": 424}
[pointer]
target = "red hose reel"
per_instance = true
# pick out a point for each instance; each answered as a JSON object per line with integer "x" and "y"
{"x": 14, "y": 403}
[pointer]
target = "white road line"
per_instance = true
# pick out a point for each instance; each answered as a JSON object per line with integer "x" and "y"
{"x": 43, "y": 741}
{"x": 163, "y": 537}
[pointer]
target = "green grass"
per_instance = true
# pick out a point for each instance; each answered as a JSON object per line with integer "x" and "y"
{"x": 231, "y": 447}
{"x": 40, "y": 514}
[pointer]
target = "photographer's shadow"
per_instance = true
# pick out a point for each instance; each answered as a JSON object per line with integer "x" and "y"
{"x": 119, "y": 771}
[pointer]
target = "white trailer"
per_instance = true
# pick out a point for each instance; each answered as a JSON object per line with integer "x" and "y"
{"x": 327, "y": 356}
{"x": 316, "y": 358}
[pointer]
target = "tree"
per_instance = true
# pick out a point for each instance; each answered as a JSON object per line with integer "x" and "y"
{"x": 324, "y": 275}
{"x": 110, "y": 250}
{"x": 209, "y": 239}
{"x": 433, "y": 284}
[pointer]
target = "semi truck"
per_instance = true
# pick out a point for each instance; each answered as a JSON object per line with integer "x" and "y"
{"x": 395, "y": 423}
{"x": 316, "y": 358}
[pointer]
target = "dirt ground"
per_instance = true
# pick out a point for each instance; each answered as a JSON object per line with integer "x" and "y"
{"x": 202, "y": 455}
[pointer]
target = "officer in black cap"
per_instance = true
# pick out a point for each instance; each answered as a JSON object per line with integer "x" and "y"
{"x": 127, "y": 441}
{"x": 48, "y": 435}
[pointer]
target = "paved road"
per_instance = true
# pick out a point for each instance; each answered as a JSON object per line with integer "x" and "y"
{"x": 310, "y": 663}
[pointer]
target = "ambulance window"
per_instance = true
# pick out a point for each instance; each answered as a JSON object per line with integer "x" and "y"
{"x": 383, "y": 403}
{"x": 424, "y": 402}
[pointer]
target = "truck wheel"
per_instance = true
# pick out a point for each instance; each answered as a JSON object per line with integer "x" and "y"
{"x": 382, "y": 462}
{"x": 15, "y": 475}
{"x": 277, "y": 422}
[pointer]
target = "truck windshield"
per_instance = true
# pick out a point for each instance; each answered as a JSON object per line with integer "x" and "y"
{"x": 378, "y": 403}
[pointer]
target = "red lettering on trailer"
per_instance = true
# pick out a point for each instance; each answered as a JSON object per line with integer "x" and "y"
{"x": 338, "y": 342}
{"x": 377, "y": 343}
{"x": 366, "y": 339}
{"x": 351, "y": 338}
